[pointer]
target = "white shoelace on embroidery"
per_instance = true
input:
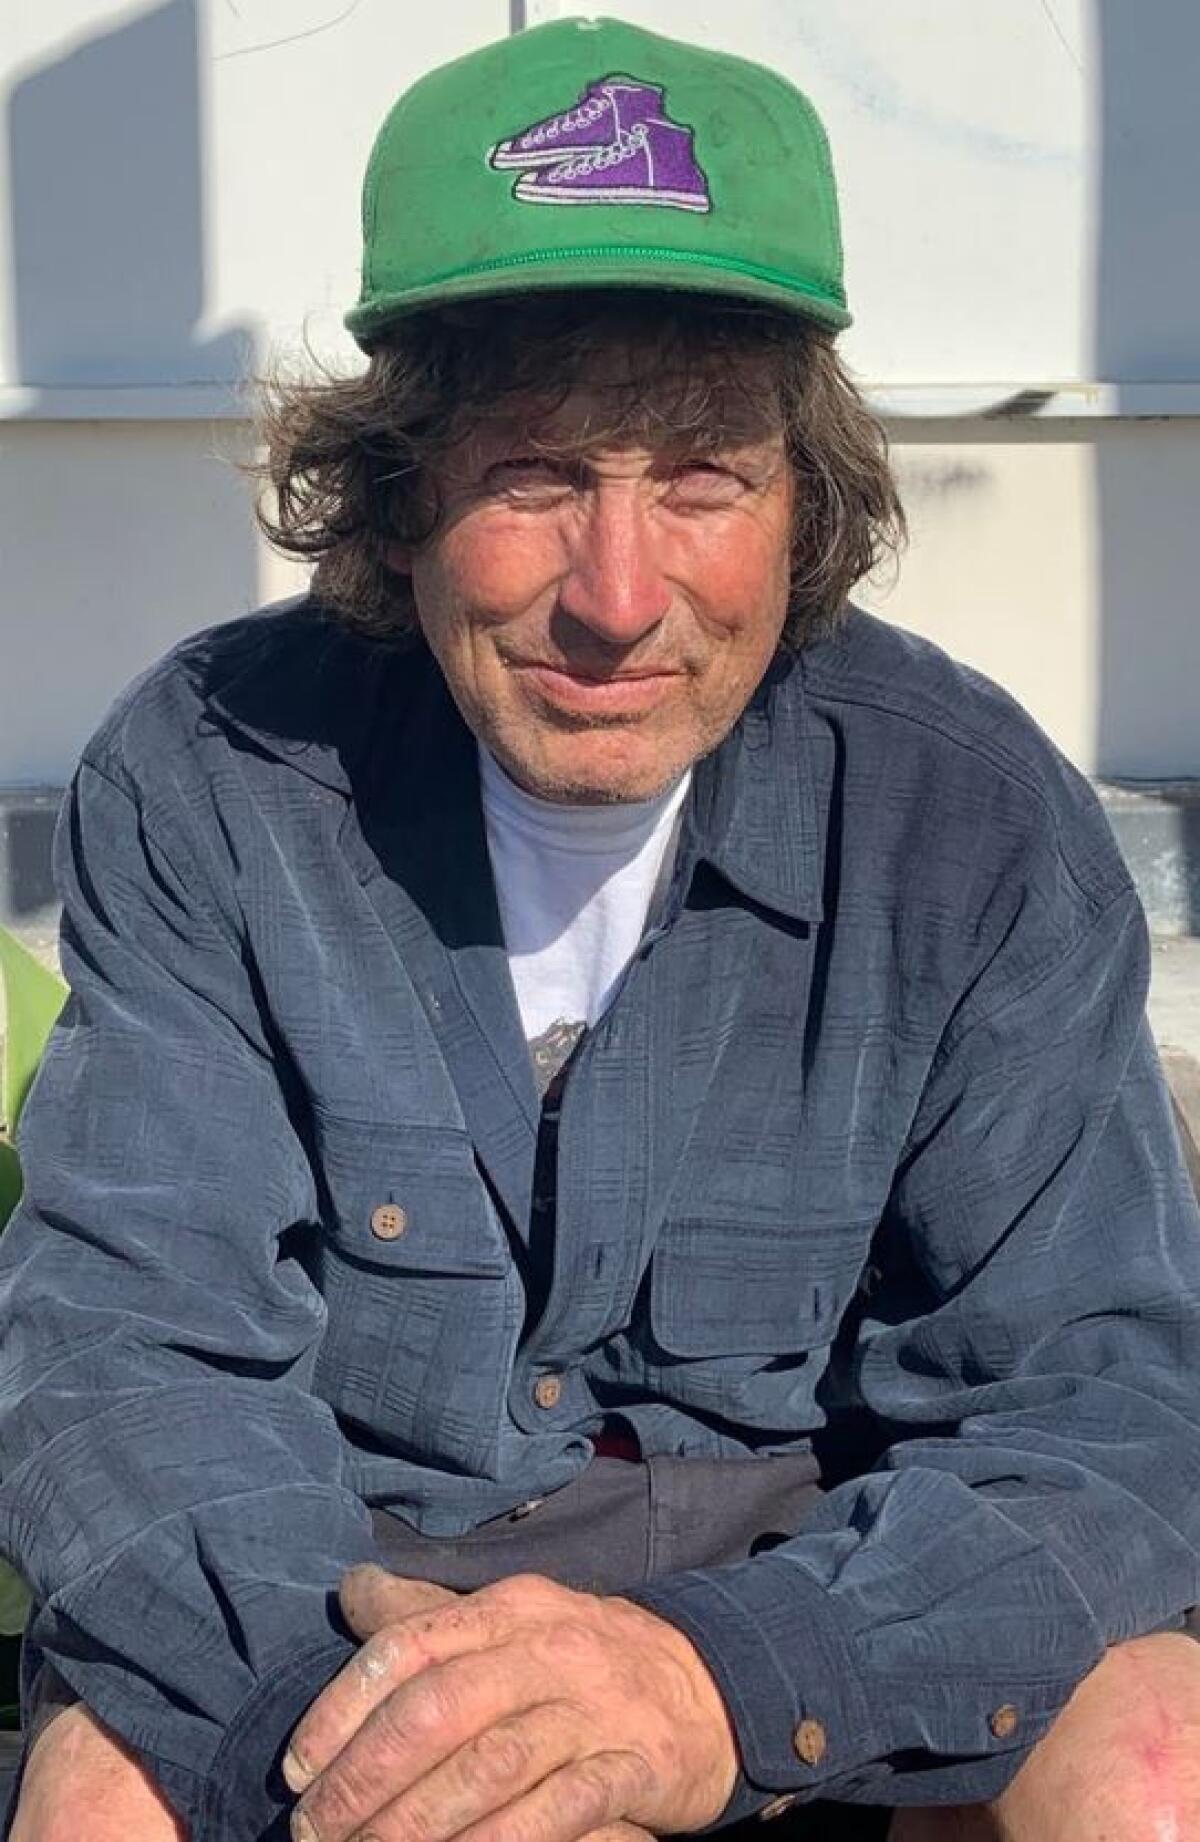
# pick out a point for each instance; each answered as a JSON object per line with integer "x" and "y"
{"x": 625, "y": 148}
{"x": 581, "y": 117}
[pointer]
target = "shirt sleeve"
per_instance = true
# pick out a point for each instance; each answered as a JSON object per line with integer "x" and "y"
{"x": 1028, "y": 1358}
{"x": 172, "y": 1490}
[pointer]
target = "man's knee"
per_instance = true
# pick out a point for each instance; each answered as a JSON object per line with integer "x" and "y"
{"x": 1121, "y": 1763}
{"x": 1136, "y": 1735}
{"x": 78, "y": 1770}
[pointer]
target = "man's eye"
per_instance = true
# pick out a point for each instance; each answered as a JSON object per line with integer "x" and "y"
{"x": 528, "y": 477}
{"x": 704, "y": 483}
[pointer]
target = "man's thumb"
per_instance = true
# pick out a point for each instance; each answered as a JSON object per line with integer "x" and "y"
{"x": 370, "y": 1598}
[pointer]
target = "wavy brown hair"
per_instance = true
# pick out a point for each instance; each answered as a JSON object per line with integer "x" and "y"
{"x": 348, "y": 459}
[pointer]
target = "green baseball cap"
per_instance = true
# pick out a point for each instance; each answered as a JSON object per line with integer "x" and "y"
{"x": 590, "y": 154}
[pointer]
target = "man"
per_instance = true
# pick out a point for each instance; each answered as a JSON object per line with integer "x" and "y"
{"x": 603, "y": 1083}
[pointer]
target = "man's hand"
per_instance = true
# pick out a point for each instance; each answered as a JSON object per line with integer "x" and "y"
{"x": 522, "y": 1710}
{"x": 81, "y": 1782}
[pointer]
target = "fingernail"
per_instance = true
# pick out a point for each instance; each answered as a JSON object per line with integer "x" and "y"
{"x": 364, "y": 1570}
{"x": 297, "y": 1777}
{"x": 302, "y": 1829}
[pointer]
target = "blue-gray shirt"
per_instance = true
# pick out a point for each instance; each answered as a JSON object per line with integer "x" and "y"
{"x": 870, "y": 1152}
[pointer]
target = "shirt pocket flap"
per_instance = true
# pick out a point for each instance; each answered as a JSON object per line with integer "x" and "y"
{"x": 727, "y": 1289}
{"x": 408, "y": 1196}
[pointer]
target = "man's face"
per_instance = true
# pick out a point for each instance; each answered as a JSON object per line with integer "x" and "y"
{"x": 602, "y": 613}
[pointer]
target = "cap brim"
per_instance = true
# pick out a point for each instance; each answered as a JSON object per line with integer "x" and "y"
{"x": 667, "y": 271}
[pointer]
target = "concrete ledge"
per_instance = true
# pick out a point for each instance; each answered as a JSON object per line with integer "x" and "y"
{"x": 1156, "y": 824}
{"x": 27, "y": 816}
{"x": 1183, "y": 1079}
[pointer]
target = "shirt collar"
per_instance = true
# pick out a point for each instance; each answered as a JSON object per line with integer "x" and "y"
{"x": 336, "y": 714}
{"x": 753, "y": 813}
{"x": 314, "y": 703}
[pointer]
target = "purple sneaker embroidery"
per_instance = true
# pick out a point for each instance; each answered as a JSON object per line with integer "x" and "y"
{"x": 607, "y": 109}
{"x": 653, "y": 164}
{"x": 615, "y": 146}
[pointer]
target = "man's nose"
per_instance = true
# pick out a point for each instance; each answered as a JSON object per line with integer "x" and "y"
{"x": 615, "y": 584}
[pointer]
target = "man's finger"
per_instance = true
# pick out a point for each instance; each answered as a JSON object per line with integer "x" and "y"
{"x": 413, "y": 1730}
{"x": 582, "y": 1799}
{"x": 370, "y": 1598}
{"x": 490, "y": 1771}
{"x": 393, "y": 1656}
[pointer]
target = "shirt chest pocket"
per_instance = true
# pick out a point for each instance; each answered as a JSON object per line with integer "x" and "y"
{"x": 740, "y": 1316}
{"x": 423, "y": 1298}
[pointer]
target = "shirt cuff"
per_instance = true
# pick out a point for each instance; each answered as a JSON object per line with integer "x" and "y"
{"x": 786, "y": 1668}
{"x": 244, "y": 1797}
{"x": 48, "y": 1696}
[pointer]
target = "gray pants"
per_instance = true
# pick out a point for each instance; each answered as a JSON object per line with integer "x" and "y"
{"x": 619, "y": 1524}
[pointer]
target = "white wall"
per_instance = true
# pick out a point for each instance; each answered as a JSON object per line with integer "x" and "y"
{"x": 183, "y": 175}
{"x": 115, "y": 540}
{"x": 1057, "y": 558}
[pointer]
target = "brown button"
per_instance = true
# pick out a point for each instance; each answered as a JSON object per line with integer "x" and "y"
{"x": 1003, "y": 1722}
{"x": 810, "y": 1742}
{"x": 388, "y": 1221}
{"x": 547, "y": 1390}
{"x": 776, "y": 1807}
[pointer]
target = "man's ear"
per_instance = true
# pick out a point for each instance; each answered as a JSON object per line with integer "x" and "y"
{"x": 399, "y": 558}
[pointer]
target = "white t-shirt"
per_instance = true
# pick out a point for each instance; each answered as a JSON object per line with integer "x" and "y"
{"x": 575, "y": 886}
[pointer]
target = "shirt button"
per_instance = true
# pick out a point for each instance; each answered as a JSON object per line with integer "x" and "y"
{"x": 776, "y": 1807}
{"x": 388, "y": 1221}
{"x": 810, "y": 1742}
{"x": 547, "y": 1390}
{"x": 1004, "y": 1721}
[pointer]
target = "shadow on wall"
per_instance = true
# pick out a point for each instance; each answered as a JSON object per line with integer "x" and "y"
{"x": 1148, "y": 326}
{"x": 107, "y": 212}
{"x": 118, "y": 535}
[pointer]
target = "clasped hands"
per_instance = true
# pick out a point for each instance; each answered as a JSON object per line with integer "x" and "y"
{"x": 523, "y": 1712}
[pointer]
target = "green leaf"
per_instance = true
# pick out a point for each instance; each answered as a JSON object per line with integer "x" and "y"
{"x": 33, "y": 998}
{"x": 10, "y": 1181}
{"x": 14, "y": 1602}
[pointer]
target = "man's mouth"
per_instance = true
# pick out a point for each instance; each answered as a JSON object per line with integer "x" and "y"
{"x": 624, "y": 692}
